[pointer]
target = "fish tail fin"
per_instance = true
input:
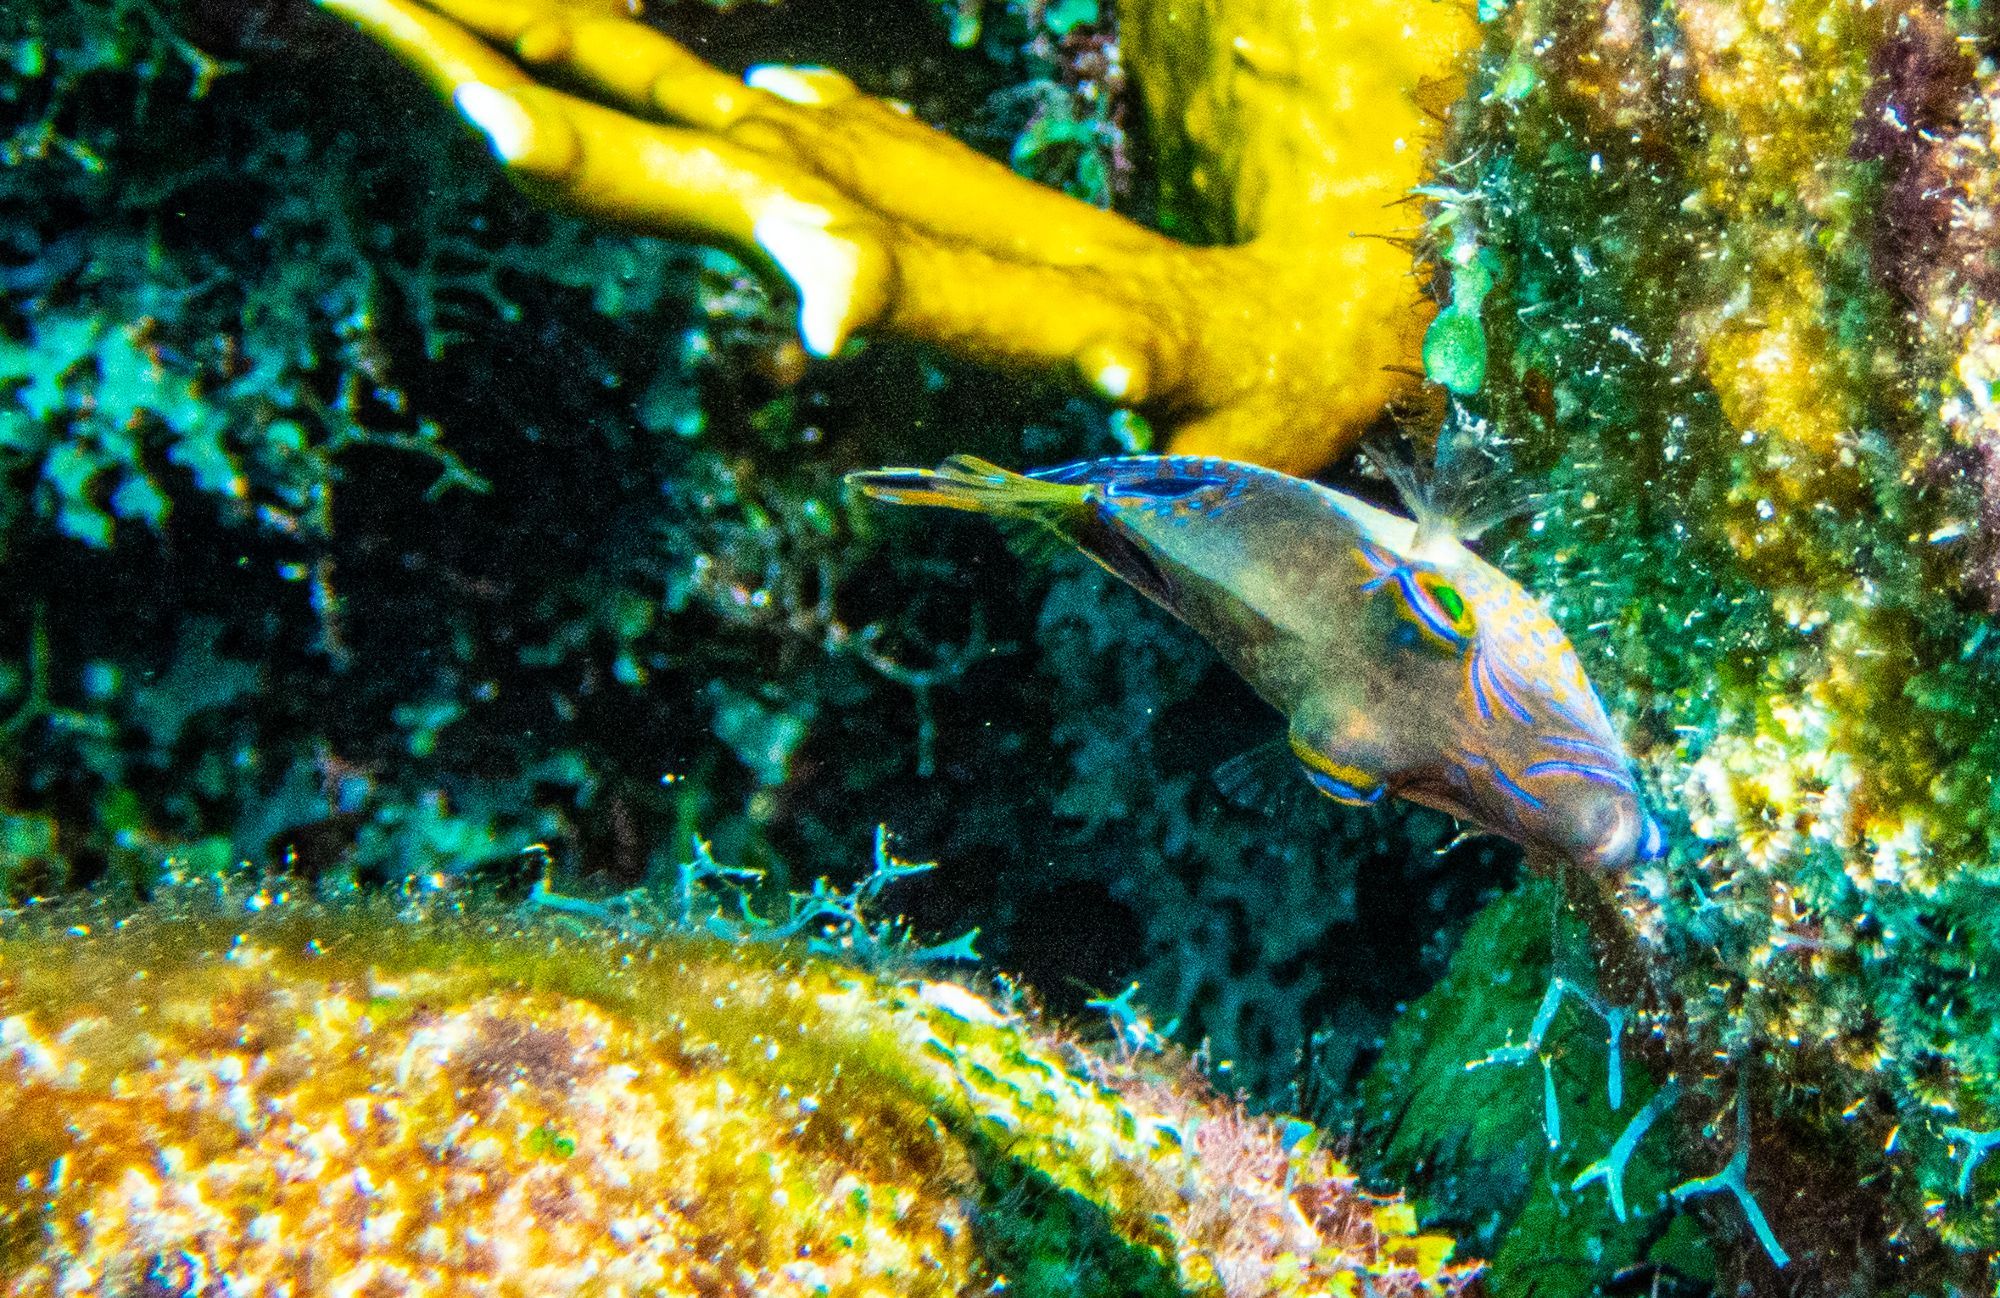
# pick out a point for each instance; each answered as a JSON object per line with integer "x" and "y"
{"x": 975, "y": 485}
{"x": 1037, "y": 515}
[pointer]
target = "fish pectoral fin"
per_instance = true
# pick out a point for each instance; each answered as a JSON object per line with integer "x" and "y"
{"x": 1261, "y": 779}
{"x": 1265, "y": 780}
{"x": 1344, "y": 782}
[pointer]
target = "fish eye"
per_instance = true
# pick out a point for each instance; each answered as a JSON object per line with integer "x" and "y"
{"x": 1423, "y": 599}
{"x": 1440, "y": 610}
{"x": 1448, "y": 599}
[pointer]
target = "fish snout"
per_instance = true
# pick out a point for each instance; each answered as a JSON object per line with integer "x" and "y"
{"x": 1619, "y": 834}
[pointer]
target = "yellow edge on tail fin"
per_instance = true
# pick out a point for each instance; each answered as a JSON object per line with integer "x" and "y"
{"x": 970, "y": 483}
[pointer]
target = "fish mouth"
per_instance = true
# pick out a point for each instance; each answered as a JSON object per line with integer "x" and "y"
{"x": 1607, "y": 832}
{"x": 1625, "y": 837}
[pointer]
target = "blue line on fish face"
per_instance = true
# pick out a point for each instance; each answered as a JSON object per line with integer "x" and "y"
{"x": 1421, "y": 596}
{"x": 1602, "y": 775}
{"x": 1585, "y": 746}
{"x": 1506, "y": 782}
{"x": 1487, "y": 686}
{"x": 1540, "y": 763}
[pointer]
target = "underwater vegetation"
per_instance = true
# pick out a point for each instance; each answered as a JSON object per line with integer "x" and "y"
{"x": 1547, "y": 1148}
{"x": 234, "y": 1090}
{"x": 563, "y": 558}
{"x": 365, "y": 516}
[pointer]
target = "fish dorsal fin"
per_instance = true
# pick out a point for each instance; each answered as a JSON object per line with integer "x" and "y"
{"x": 1466, "y": 487}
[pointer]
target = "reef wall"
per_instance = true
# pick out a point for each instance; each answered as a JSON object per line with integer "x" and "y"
{"x": 1740, "y": 297}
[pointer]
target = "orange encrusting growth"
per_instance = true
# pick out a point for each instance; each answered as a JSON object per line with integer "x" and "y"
{"x": 1306, "y": 124}
{"x": 1782, "y": 85}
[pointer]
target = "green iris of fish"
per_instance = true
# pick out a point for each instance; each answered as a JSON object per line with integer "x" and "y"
{"x": 1402, "y": 661}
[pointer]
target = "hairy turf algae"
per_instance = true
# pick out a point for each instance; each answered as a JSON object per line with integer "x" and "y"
{"x": 251, "y": 1091}
{"x": 1722, "y": 306}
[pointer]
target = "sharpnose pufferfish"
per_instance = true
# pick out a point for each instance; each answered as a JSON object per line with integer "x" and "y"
{"x": 1403, "y": 662}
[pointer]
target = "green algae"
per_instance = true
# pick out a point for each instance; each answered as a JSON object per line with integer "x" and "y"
{"x": 1699, "y": 351}
{"x": 1504, "y": 1153}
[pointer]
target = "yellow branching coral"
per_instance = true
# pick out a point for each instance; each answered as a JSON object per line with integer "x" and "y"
{"x": 1304, "y": 129}
{"x": 316, "y": 1101}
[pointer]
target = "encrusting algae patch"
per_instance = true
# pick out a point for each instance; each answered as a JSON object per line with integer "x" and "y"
{"x": 353, "y": 1100}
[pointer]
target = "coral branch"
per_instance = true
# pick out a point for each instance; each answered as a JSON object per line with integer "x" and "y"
{"x": 1610, "y": 1169}
{"x": 827, "y": 920}
{"x": 1282, "y": 347}
{"x": 1545, "y": 1017}
{"x": 1734, "y": 1178}
{"x": 1978, "y": 1144}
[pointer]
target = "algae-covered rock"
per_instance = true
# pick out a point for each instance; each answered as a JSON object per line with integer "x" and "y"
{"x": 1738, "y": 317}
{"x": 1530, "y": 1131}
{"x": 283, "y": 1097}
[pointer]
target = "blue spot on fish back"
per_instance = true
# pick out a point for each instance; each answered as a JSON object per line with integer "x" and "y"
{"x": 1081, "y": 471}
{"x": 1164, "y": 488}
{"x": 1167, "y": 479}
